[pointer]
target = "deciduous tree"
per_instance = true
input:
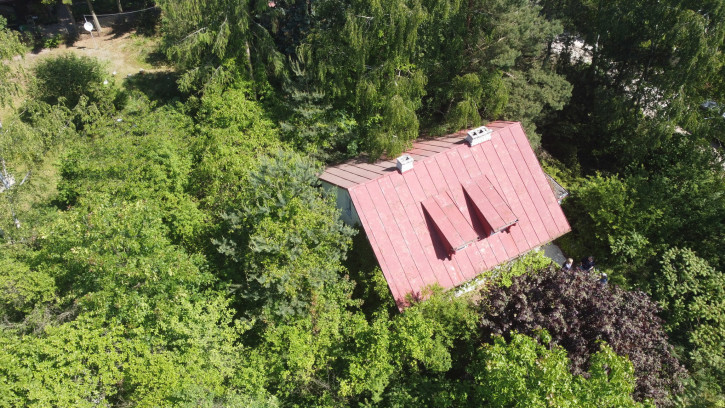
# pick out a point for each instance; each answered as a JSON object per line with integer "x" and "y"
{"x": 286, "y": 243}
{"x": 692, "y": 295}
{"x": 10, "y": 46}
{"x": 579, "y": 313}
{"x": 525, "y": 373}
{"x": 211, "y": 41}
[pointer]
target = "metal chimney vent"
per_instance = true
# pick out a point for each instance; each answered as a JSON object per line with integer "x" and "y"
{"x": 478, "y": 135}
{"x": 404, "y": 163}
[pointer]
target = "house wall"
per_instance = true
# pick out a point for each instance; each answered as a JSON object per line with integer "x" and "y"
{"x": 348, "y": 214}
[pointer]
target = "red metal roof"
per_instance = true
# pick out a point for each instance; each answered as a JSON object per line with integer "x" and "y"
{"x": 490, "y": 207}
{"x": 428, "y": 225}
{"x": 456, "y": 232}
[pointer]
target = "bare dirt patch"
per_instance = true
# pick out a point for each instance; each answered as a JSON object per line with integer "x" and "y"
{"x": 125, "y": 54}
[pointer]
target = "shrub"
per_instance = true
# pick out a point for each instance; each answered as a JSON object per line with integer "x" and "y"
{"x": 66, "y": 78}
{"x": 53, "y": 41}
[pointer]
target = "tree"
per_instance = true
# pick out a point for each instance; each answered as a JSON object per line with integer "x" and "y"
{"x": 316, "y": 126}
{"x": 579, "y": 312}
{"x": 335, "y": 356}
{"x": 491, "y": 65}
{"x": 671, "y": 198}
{"x": 640, "y": 60}
{"x": 66, "y": 78}
{"x": 647, "y": 51}
{"x": 143, "y": 157}
{"x": 691, "y": 293}
{"x": 25, "y": 145}
{"x": 286, "y": 243}
{"x": 525, "y": 373}
{"x": 10, "y": 46}
{"x": 363, "y": 57}
{"x": 233, "y": 131}
{"x": 133, "y": 319}
{"x": 23, "y": 291}
{"x": 211, "y": 41}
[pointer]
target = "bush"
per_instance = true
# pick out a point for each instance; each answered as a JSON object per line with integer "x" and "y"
{"x": 53, "y": 41}
{"x": 65, "y": 79}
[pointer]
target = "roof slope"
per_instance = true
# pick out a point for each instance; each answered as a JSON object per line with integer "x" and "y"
{"x": 409, "y": 217}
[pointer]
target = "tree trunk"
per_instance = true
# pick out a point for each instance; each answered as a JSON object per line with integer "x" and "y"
{"x": 71, "y": 25}
{"x": 95, "y": 19}
{"x": 118, "y": 3}
{"x": 249, "y": 60}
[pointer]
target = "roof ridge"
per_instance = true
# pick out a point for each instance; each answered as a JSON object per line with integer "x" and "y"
{"x": 336, "y": 178}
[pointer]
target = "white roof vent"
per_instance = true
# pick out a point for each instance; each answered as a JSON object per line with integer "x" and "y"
{"x": 404, "y": 163}
{"x": 478, "y": 135}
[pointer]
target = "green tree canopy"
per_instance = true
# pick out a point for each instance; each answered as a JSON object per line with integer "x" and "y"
{"x": 10, "y": 46}
{"x": 286, "y": 244}
{"x": 68, "y": 77}
{"x": 524, "y": 373}
{"x": 692, "y": 293}
{"x": 209, "y": 40}
{"x": 363, "y": 56}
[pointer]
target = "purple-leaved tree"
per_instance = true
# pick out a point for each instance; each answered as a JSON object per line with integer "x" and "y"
{"x": 579, "y": 313}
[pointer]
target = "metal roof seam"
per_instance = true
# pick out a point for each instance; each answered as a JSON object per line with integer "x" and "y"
{"x": 516, "y": 196}
{"x": 542, "y": 214}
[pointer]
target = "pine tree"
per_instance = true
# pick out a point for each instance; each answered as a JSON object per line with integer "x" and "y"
{"x": 211, "y": 41}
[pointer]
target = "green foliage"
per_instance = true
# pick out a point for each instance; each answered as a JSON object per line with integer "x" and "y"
{"x": 524, "y": 373}
{"x": 66, "y": 78}
{"x": 492, "y": 52}
{"x": 627, "y": 221}
{"x": 52, "y": 41}
{"x": 111, "y": 294}
{"x": 234, "y": 130}
{"x": 692, "y": 293}
{"x": 579, "y": 312}
{"x": 465, "y": 114}
{"x": 315, "y": 124}
{"x": 287, "y": 239}
{"x": 333, "y": 355}
{"x": 212, "y": 41}
{"x": 22, "y": 290}
{"x": 10, "y": 46}
{"x": 363, "y": 58}
{"x": 603, "y": 208}
{"x": 531, "y": 93}
{"x": 371, "y": 288}
{"x": 143, "y": 157}
{"x": 427, "y": 332}
{"x": 330, "y": 354}
{"x": 144, "y": 322}
{"x": 383, "y": 66}
{"x": 529, "y": 263}
{"x": 28, "y": 150}
{"x": 669, "y": 46}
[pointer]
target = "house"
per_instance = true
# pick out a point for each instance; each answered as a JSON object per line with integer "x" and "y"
{"x": 450, "y": 208}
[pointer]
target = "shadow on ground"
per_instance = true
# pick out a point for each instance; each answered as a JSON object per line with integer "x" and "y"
{"x": 157, "y": 86}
